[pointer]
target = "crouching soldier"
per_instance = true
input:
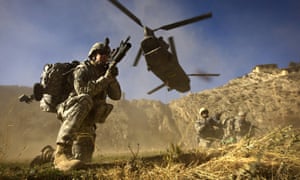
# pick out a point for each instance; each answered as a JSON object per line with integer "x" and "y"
{"x": 208, "y": 129}
{"x": 77, "y": 93}
{"x": 85, "y": 107}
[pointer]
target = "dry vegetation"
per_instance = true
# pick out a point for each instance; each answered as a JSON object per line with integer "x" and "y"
{"x": 275, "y": 155}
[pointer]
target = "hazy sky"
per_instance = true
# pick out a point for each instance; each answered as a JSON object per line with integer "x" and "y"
{"x": 240, "y": 35}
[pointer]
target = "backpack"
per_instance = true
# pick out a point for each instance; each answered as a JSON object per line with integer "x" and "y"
{"x": 54, "y": 86}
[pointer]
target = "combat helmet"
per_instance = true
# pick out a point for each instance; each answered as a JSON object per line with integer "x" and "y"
{"x": 103, "y": 48}
{"x": 202, "y": 110}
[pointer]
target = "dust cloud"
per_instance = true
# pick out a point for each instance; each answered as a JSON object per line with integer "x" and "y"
{"x": 133, "y": 125}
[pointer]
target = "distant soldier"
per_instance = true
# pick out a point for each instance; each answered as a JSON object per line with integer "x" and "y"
{"x": 236, "y": 128}
{"x": 241, "y": 126}
{"x": 207, "y": 128}
{"x": 229, "y": 132}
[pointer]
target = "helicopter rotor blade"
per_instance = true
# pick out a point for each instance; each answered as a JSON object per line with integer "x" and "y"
{"x": 204, "y": 76}
{"x": 126, "y": 11}
{"x": 156, "y": 89}
{"x": 138, "y": 57}
{"x": 199, "y": 74}
{"x": 185, "y": 22}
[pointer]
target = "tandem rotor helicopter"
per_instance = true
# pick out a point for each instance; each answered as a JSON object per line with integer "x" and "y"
{"x": 163, "y": 63}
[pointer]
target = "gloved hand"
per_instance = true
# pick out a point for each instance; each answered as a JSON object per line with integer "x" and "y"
{"x": 111, "y": 72}
{"x": 114, "y": 71}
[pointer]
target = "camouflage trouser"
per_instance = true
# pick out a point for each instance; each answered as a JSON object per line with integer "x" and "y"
{"x": 76, "y": 129}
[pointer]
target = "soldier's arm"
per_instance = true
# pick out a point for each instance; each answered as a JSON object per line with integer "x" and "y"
{"x": 114, "y": 90}
{"x": 83, "y": 85}
{"x": 199, "y": 125}
{"x": 213, "y": 121}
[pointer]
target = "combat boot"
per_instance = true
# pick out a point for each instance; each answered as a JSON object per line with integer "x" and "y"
{"x": 63, "y": 161}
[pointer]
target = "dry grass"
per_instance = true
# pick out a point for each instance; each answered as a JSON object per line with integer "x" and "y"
{"x": 276, "y": 155}
{"x": 273, "y": 156}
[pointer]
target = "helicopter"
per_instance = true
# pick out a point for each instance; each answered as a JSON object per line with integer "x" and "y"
{"x": 163, "y": 63}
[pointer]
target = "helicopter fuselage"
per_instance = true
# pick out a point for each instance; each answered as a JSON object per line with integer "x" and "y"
{"x": 164, "y": 64}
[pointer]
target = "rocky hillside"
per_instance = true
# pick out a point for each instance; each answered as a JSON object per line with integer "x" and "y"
{"x": 269, "y": 95}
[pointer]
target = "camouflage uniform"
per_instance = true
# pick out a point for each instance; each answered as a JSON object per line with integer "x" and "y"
{"x": 241, "y": 126}
{"x": 207, "y": 129}
{"x": 235, "y": 128}
{"x": 86, "y": 106}
{"x": 229, "y": 132}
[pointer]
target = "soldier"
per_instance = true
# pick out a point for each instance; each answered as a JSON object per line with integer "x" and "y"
{"x": 229, "y": 132}
{"x": 85, "y": 106}
{"x": 241, "y": 126}
{"x": 235, "y": 128}
{"x": 207, "y": 128}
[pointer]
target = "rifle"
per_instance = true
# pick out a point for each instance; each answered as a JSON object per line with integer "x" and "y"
{"x": 117, "y": 55}
{"x": 25, "y": 98}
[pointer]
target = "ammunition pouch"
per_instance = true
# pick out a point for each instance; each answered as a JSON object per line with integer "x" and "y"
{"x": 99, "y": 114}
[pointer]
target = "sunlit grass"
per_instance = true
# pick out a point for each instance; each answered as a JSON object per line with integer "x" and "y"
{"x": 275, "y": 155}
